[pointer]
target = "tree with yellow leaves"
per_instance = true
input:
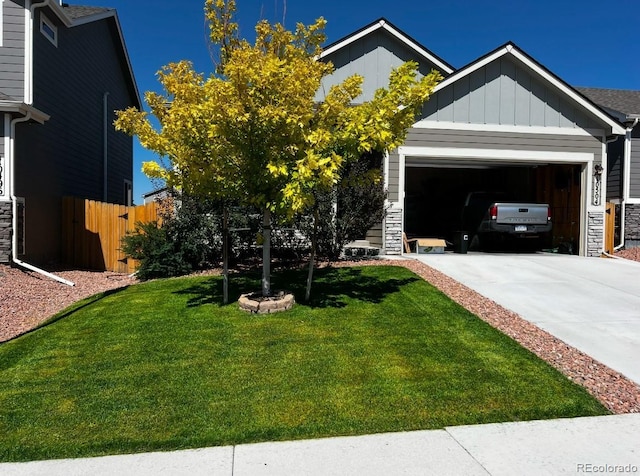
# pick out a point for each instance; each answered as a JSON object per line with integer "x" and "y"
{"x": 252, "y": 132}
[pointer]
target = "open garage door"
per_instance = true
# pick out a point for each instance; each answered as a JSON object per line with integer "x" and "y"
{"x": 435, "y": 192}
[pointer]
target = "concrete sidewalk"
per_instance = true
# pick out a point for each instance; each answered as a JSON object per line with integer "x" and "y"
{"x": 607, "y": 444}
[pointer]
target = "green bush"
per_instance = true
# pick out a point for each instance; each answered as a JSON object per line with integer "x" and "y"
{"x": 158, "y": 254}
{"x": 188, "y": 239}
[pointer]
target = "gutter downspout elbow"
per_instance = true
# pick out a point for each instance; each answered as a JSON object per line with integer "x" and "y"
{"x": 14, "y": 207}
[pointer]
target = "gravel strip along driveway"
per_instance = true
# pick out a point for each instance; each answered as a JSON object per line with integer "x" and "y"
{"x": 27, "y": 299}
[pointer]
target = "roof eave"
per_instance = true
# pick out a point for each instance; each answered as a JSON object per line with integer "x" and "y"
{"x": 24, "y": 109}
{"x": 390, "y": 28}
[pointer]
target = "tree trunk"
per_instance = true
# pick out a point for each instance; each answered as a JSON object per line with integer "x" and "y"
{"x": 225, "y": 254}
{"x": 314, "y": 244}
{"x": 266, "y": 253}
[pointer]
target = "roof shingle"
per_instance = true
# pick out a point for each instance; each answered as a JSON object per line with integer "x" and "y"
{"x": 622, "y": 100}
{"x": 78, "y": 11}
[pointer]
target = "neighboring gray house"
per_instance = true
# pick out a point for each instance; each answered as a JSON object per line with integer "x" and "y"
{"x": 64, "y": 70}
{"x": 623, "y": 168}
{"x": 502, "y": 122}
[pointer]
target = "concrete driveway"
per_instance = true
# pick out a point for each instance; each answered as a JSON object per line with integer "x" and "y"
{"x": 592, "y": 304}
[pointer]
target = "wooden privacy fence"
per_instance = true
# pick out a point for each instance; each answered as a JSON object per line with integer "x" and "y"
{"x": 92, "y": 233}
{"x": 609, "y": 227}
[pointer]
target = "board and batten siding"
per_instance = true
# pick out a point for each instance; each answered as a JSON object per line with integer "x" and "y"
{"x": 634, "y": 165}
{"x": 503, "y": 92}
{"x": 466, "y": 139}
{"x": 12, "y": 54}
{"x": 372, "y": 57}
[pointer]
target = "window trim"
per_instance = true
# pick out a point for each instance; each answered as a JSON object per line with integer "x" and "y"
{"x": 128, "y": 192}
{"x": 48, "y": 29}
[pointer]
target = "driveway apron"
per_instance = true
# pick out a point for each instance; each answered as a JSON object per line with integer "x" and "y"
{"x": 592, "y": 304}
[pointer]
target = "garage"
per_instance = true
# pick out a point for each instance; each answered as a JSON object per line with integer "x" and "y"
{"x": 436, "y": 189}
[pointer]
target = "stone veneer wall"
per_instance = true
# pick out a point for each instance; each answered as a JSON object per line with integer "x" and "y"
{"x": 5, "y": 232}
{"x": 393, "y": 232}
{"x": 595, "y": 234}
{"x": 632, "y": 225}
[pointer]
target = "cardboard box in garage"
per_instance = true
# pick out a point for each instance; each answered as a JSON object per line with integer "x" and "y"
{"x": 430, "y": 246}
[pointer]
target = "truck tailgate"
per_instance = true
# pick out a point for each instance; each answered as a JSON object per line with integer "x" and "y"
{"x": 522, "y": 213}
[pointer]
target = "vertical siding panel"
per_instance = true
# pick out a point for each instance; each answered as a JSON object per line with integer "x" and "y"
{"x": 507, "y": 92}
{"x": 476, "y": 97}
{"x": 566, "y": 114}
{"x": 537, "y": 104}
{"x": 551, "y": 114}
{"x": 445, "y": 104}
{"x": 523, "y": 98}
{"x": 461, "y": 90}
{"x": 492, "y": 95}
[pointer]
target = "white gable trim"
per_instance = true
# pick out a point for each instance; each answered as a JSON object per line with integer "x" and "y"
{"x": 541, "y": 72}
{"x": 398, "y": 34}
{"x": 465, "y": 126}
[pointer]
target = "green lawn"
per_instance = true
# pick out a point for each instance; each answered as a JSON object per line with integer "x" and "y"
{"x": 163, "y": 365}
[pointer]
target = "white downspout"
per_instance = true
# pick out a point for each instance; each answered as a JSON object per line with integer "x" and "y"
{"x": 14, "y": 210}
{"x": 626, "y": 162}
{"x": 105, "y": 145}
{"x": 28, "y": 70}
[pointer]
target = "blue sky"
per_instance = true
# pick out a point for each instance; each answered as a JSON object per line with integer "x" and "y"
{"x": 585, "y": 42}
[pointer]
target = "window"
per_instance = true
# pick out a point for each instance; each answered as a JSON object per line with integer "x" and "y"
{"x": 48, "y": 29}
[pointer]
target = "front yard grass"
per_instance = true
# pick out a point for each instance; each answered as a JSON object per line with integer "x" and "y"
{"x": 163, "y": 365}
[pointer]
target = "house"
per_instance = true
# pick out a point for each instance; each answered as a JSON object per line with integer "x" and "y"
{"x": 64, "y": 70}
{"x": 623, "y": 166}
{"x": 503, "y": 121}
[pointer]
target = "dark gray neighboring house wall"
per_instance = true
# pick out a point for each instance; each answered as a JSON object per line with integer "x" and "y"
{"x": 491, "y": 140}
{"x": 373, "y": 57}
{"x": 64, "y": 157}
{"x": 615, "y": 158}
{"x": 12, "y": 50}
{"x": 502, "y": 92}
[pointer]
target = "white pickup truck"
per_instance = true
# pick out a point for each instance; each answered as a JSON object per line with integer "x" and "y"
{"x": 492, "y": 219}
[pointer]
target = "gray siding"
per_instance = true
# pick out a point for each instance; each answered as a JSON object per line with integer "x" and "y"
{"x": 373, "y": 57}
{"x": 634, "y": 169}
{"x": 12, "y": 50}
{"x": 64, "y": 157}
{"x": 492, "y": 140}
{"x": 503, "y": 92}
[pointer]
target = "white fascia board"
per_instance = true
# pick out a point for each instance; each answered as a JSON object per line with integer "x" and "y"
{"x": 351, "y": 39}
{"x": 465, "y": 126}
{"x": 515, "y": 155}
{"x": 384, "y": 25}
{"x": 417, "y": 48}
{"x": 616, "y": 128}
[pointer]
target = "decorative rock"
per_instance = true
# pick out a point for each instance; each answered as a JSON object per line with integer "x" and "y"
{"x": 255, "y": 303}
